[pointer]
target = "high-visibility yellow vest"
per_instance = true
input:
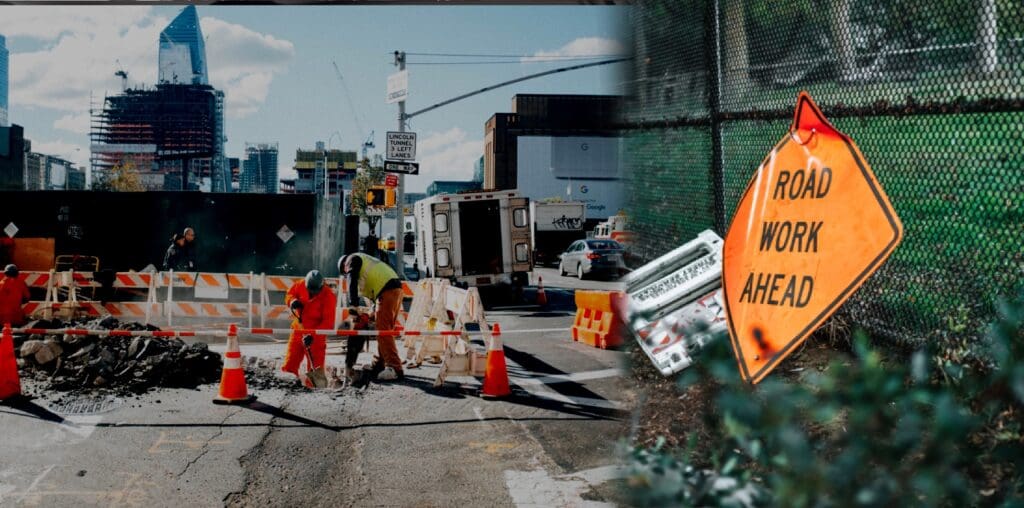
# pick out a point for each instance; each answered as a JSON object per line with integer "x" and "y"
{"x": 373, "y": 275}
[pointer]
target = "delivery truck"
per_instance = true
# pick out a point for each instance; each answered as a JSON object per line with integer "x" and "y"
{"x": 475, "y": 238}
{"x": 555, "y": 227}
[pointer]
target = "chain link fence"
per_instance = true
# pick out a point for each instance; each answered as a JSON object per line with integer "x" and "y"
{"x": 932, "y": 91}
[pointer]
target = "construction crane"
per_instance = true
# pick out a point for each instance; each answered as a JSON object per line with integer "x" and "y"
{"x": 351, "y": 107}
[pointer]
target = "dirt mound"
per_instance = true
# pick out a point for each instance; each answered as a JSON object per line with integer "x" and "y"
{"x": 120, "y": 364}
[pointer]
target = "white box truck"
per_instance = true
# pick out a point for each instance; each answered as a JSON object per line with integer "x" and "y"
{"x": 477, "y": 238}
{"x": 555, "y": 227}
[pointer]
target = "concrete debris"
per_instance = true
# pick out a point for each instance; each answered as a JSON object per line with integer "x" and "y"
{"x": 120, "y": 364}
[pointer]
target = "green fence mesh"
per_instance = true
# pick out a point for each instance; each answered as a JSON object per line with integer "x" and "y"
{"x": 931, "y": 90}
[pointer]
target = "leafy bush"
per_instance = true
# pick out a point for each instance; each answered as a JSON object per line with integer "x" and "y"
{"x": 867, "y": 431}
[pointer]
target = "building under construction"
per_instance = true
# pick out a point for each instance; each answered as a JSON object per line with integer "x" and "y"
{"x": 173, "y": 136}
{"x": 310, "y": 167}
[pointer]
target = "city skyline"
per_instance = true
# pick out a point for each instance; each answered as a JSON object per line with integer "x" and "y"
{"x": 276, "y": 67}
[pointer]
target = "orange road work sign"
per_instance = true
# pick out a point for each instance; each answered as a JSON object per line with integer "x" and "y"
{"x": 812, "y": 226}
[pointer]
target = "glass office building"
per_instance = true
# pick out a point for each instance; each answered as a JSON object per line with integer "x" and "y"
{"x": 182, "y": 51}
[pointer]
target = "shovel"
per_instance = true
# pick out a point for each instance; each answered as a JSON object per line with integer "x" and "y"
{"x": 316, "y": 375}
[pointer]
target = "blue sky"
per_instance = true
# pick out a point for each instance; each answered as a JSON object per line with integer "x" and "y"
{"x": 274, "y": 64}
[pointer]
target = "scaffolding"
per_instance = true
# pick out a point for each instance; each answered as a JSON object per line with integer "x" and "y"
{"x": 171, "y": 131}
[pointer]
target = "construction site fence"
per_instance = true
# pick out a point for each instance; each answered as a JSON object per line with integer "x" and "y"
{"x": 73, "y": 292}
{"x": 284, "y": 332}
{"x": 931, "y": 91}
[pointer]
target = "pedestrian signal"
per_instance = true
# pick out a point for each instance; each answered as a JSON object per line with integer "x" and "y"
{"x": 376, "y": 197}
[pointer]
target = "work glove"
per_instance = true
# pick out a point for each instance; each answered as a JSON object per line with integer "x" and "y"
{"x": 296, "y": 305}
{"x": 307, "y": 340}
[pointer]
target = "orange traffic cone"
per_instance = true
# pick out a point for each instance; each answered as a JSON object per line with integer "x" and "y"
{"x": 232, "y": 377}
{"x": 496, "y": 375}
{"x": 10, "y": 383}
{"x": 542, "y": 299}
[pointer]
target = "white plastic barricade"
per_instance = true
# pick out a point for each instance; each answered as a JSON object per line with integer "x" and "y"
{"x": 674, "y": 303}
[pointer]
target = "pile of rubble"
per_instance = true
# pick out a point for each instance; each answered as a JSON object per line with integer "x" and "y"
{"x": 122, "y": 364}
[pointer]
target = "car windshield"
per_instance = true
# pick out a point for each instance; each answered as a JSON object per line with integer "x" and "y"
{"x": 604, "y": 245}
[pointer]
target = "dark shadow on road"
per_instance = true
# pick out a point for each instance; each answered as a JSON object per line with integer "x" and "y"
{"x": 337, "y": 428}
{"x": 519, "y": 397}
{"x": 277, "y": 412}
{"x": 537, "y": 366}
{"x": 26, "y": 405}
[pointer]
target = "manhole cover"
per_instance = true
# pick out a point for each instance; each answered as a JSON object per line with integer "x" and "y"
{"x": 86, "y": 406}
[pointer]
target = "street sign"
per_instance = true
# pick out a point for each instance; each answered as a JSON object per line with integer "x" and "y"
{"x": 408, "y": 168}
{"x": 401, "y": 145}
{"x": 812, "y": 226}
{"x": 398, "y": 87}
{"x": 391, "y": 180}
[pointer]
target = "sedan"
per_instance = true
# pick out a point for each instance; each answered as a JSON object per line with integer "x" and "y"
{"x": 592, "y": 257}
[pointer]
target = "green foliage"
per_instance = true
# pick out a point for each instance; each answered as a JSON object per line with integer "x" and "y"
{"x": 864, "y": 432}
{"x": 372, "y": 175}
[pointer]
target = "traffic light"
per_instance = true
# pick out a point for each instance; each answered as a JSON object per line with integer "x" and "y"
{"x": 375, "y": 197}
{"x": 389, "y": 198}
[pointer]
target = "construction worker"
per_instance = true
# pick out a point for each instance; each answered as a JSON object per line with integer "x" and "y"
{"x": 372, "y": 278}
{"x": 190, "y": 249}
{"x": 174, "y": 258}
{"x": 312, "y": 303}
{"x": 13, "y": 294}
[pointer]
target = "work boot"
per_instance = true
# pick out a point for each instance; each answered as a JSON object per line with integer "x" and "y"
{"x": 389, "y": 374}
{"x": 373, "y": 369}
{"x": 350, "y": 374}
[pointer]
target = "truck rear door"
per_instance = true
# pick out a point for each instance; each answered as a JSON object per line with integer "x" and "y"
{"x": 441, "y": 221}
{"x": 519, "y": 222}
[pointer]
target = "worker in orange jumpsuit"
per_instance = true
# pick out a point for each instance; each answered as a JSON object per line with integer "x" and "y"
{"x": 13, "y": 294}
{"x": 313, "y": 304}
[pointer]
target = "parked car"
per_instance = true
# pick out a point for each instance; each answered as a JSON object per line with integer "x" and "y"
{"x": 593, "y": 257}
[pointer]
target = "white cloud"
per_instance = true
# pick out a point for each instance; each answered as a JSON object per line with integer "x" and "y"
{"x": 48, "y": 23}
{"x": 83, "y": 47}
{"x": 243, "y": 62}
{"x": 447, "y": 155}
{"x": 584, "y": 46}
{"x": 75, "y": 122}
{"x": 70, "y": 151}
{"x": 80, "y": 58}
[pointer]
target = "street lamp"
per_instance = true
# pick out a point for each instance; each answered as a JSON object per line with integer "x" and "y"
{"x": 327, "y": 193}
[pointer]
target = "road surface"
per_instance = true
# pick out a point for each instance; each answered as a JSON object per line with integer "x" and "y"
{"x": 552, "y": 443}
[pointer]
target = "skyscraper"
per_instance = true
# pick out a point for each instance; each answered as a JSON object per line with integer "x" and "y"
{"x": 182, "y": 54}
{"x": 3, "y": 81}
{"x": 259, "y": 170}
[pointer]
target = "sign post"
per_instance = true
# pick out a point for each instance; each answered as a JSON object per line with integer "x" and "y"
{"x": 812, "y": 226}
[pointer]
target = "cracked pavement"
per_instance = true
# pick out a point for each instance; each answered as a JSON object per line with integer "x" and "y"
{"x": 407, "y": 444}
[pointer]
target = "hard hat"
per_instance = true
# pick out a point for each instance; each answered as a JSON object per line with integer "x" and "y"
{"x": 314, "y": 282}
{"x": 11, "y": 270}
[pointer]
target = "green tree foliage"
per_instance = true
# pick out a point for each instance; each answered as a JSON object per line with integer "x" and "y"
{"x": 867, "y": 432}
{"x": 123, "y": 177}
{"x": 368, "y": 177}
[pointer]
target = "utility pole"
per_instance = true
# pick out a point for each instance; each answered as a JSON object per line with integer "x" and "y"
{"x": 399, "y": 191}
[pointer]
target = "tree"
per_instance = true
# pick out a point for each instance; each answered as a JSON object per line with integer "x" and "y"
{"x": 368, "y": 177}
{"x": 123, "y": 177}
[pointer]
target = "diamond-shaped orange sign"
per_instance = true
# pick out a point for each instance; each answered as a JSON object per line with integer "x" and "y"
{"x": 812, "y": 226}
